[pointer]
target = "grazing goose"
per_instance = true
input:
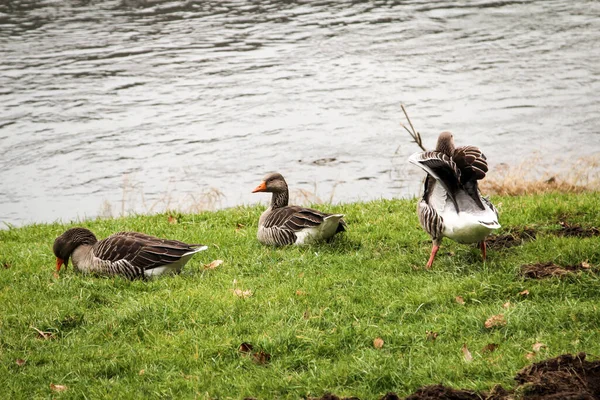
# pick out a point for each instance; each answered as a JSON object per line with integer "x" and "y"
{"x": 131, "y": 254}
{"x": 452, "y": 205}
{"x": 281, "y": 224}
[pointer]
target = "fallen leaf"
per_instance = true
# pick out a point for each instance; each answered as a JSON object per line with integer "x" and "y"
{"x": 306, "y": 314}
{"x": 214, "y": 264}
{"x": 239, "y": 226}
{"x": 488, "y": 348}
{"x": 20, "y": 362}
{"x": 43, "y": 335}
{"x": 300, "y": 293}
{"x": 142, "y": 372}
{"x": 466, "y": 353}
{"x": 524, "y": 293}
{"x": 172, "y": 220}
{"x": 58, "y": 388}
{"x": 494, "y": 321}
{"x": 506, "y": 305}
{"x": 459, "y": 300}
{"x": 538, "y": 346}
{"x": 245, "y": 348}
{"x": 585, "y": 265}
{"x": 431, "y": 335}
{"x": 242, "y": 293}
{"x": 261, "y": 357}
{"x": 530, "y": 355}
{"x": 378, "y": 343}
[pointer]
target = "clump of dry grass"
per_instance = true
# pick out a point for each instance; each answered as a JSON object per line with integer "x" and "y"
{"x": 534, "y": 177}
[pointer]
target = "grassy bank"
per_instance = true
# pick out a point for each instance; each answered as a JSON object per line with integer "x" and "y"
{"x": 315, "y": 311}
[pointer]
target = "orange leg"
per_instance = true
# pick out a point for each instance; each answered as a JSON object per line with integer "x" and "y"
{"x": 434, "y": 251}
{"x": 482, "y": 247}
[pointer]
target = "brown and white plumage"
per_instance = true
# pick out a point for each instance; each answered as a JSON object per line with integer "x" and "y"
{"x": 130, "y": 254}
{"x": 452, "y": 205}
{"x": 282, "y": 224}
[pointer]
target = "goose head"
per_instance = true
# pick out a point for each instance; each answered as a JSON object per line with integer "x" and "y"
{"x": 272, "y": 183}
{"x": 445, "y": 143}
{"x": 65, "y": 244}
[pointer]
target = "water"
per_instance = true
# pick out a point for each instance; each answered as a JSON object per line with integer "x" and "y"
{"x": 131, "y": 105}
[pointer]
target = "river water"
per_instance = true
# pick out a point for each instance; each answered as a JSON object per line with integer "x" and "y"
{"x": 110, "y": 107}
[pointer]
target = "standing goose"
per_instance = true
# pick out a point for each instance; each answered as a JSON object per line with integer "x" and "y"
{"x": 131, "y": 254}
{"x": 281, "y": 224}
{"x": 452, "y": 205}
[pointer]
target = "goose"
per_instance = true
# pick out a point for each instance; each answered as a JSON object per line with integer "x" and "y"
{"x": 452, "y": 205}
{"x": 130, "y": 254}
{"x": 282, "y": 224}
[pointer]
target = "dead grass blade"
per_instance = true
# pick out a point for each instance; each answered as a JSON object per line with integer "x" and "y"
{"x": 416, "y": 136}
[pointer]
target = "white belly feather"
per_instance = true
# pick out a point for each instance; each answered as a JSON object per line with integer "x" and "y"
{"x": 322, "y": 232}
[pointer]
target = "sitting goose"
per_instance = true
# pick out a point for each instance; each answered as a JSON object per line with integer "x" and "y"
{"x": 452, "y": 205}
{"x": 281, "y": 224}
{"x": 131, "y": 254}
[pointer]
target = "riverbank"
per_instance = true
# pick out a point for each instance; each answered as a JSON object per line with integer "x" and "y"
{"x": 357, "y": 317}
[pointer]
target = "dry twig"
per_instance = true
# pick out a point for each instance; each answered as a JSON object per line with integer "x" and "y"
{"x": 412, "y": 132}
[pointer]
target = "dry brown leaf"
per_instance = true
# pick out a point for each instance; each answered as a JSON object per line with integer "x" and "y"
{"x": 239, "y": 226}
{"x": 585, "y": 265}
{"x": 488, "y": 348}
{"x": 172, "y": 220}
{"x": 245, "y": 348}
{"x": 58, "y": 388}
{"x": 142, "y": 372}
{"x": 214, "y": 264}
{"x": 506, "y": 305}
{"x": 431, "y": 335}
{"x": 495, "y": 321}
{"x": 306, "y": 314}
{"x": 20, "y": 362}
{"x": 530, "y": 355}
{"x": 242, "y": 293}
{"x": 538, "y": 346}
{"x": 466, "y": 353}
{"x": 459, "y": 300}
{"x": 261, "y": 357}
{"x": 43, "y": 335}
{"x": 524, "y": 293}
{"x": 378, "y": 343}
{"x": 300, "y": 293}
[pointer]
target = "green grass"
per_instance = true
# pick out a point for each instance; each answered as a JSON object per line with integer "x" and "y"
{"x": 183, "y": 332}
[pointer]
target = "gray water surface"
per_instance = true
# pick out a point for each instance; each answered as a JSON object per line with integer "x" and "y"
{"x": 130, "y": 105}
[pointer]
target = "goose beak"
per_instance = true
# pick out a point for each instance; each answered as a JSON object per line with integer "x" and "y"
{"x": 261, "y": 188}
{"x": 59, "y": 263}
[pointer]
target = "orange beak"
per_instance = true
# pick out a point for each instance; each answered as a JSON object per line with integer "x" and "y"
{"x": 261, "y": 188}
{"x": 59, "y": 263}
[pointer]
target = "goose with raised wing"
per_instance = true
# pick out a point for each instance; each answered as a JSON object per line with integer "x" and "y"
{"x": 282, "y": 224}
{"x": 130, "y": 254}
{"x": 452, "y": 205}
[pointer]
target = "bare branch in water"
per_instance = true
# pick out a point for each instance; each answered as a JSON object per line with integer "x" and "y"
{"x": 412, "y": 132}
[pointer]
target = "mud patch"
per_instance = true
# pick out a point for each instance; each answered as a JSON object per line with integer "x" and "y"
{"x": 515, "y": 237}
{"x": 563, "y": 377}
{"x": 443, "y": 392}
{"x": 549, "y": 269}
{"x": 575, "y": 230}
{"x": 566, "y": 377}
